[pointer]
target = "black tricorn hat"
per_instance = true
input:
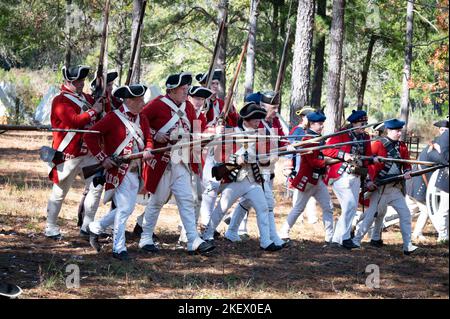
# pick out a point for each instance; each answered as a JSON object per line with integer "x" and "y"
{"x": 200, "y": 91}
{"x": 73, "y": 73}
{"x": 110, "y": 77}
{"x": 175, "y": 80}
{"x": 441, "y": 123}
{"x": 202, "y": 78}
{"x": 270, "y": 97}
{"x": 251, "y": 111}
{"x": 130, "y": 91}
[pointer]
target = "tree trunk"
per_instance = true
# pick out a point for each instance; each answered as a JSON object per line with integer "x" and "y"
{"x": 302, "y": 58}
{"x": 274, "y": 40}
{"x": 319, "y": 59}
{"x": 136, "y": 76}
{"x": 250, "y": 61}
{"x": 222, "y": 51}
{"x": 334, "y": 66}
{"x": 404, "y": 104}
{"x": 341, "y": 114}
{"x": 365, "y": 72}
{"x": 68, "y": 29}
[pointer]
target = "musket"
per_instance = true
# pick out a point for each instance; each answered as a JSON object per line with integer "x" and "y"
{"x": 88, "y": 171}
{"x": 229, "y": 97}
{"x": 135, "y": 43}
{"x": 398, "y": 160}
{"x": 222, "y": 169}
{"x": 401, "y": 177}
{"x": 316, "y": 148}
{"x": 46, "y": 128}
{"x": 100, "y": 81}
{"x": 320, "y": 138}
{"x": 212, "y": 65}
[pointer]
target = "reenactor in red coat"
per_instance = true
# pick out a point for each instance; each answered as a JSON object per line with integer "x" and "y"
{"x": 345, "y": 177}
{"x": 122, "y": 132}
{"x": 390, "y": 194}
{"x": 171, "y": 118}
{"x": 213, "y": 109}
{"x": 214, "y": 105}
{"x": 245, "y": 181}
{"x": 298, "y": 131}
{"x": 196, "y": 96}
{"x": 269, "y": 126}
{"x": 309, "y": 182}
{"x": 71, "y": 109}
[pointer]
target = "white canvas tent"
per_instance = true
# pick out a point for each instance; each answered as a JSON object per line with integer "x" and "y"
{"x": 43, "y": 110}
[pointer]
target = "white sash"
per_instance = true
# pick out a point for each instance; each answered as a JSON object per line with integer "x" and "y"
{"x": 135, "y": 132}
{"x": 178, "y": 114}
{"x": 80, "y": 102}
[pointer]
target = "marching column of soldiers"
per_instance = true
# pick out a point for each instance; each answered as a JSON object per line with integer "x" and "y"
{"x": 152, "y": 149}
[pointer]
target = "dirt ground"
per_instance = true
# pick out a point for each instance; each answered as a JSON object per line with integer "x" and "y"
{"x": 304, "y": 270}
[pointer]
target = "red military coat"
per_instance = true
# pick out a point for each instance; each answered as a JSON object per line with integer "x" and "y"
{"x": 378, "y": 149}
{"x": 67, "y": 114}
{"x": 309, "y": 164}
{"x": 211, "y": 114}
{"x": 112, "y": 103}
{"x": 334, "y": 153}
{"x": 113, "y": 133}
{"x": 158, "y": 114}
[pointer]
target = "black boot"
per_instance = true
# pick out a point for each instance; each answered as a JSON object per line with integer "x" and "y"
{"x": 376, "y": 243}
{"x": 349, "y": 244}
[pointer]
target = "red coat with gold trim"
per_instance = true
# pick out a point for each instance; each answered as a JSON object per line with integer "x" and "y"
{"x": 309, "y": 163}
{"x": 113, "y": 133}
{"x": 158, "y": 114}
{"x": 66, "y": 114}
{"x": 334, "y": 153}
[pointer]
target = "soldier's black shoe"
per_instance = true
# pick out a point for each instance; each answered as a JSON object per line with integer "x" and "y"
{"x": 9, "y": 290}
{"x": 286, "y": 244}
{"x": 376, "y": 243}
{"x": 150, "y": 249}
{"x": 84, "y": 234}
{"x": 349, "y": 244}
{"x": 137, "y": 231}
{"x": 93, "y": 241}
{"x": 123, "y": 256}
{"x": 327, "y": 244}
{"x": 55, "y": 237}
{"x": 272, "y": 247}
{"x": 413, "y": 249}
{"x": 203, "y": 248}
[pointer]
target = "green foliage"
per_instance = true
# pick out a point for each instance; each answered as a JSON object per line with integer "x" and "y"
{"x": 180, "y": 35}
